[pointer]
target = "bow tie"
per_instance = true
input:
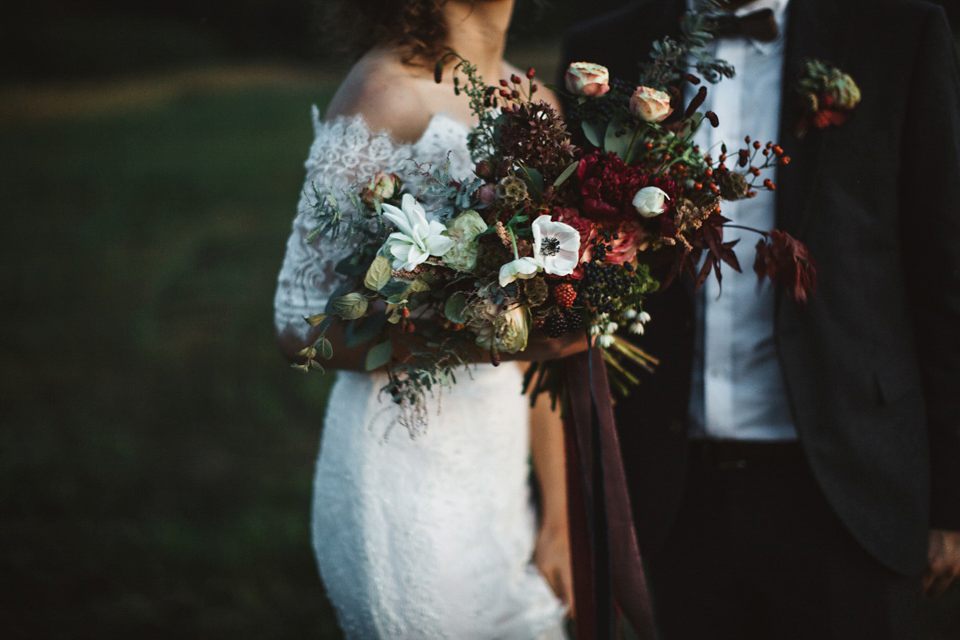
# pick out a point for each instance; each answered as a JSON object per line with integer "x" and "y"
{"x": 759, "y": 25}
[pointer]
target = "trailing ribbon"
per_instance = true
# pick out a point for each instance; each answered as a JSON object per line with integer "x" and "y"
{"x": 608, "y": 574}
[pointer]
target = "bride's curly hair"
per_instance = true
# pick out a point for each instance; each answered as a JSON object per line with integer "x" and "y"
{"x": 416, "y": 27}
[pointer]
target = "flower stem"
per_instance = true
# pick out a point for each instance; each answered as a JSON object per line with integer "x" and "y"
{"x": 743, "y": 228}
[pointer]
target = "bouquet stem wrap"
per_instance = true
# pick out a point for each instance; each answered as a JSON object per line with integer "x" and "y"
{"x": 607, "y": 568}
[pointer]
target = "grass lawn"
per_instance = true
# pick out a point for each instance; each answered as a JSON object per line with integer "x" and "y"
{"x": 156, "y": 454}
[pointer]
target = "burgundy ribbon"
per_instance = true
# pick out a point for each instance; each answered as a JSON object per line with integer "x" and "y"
{"x": 607, "y": 571}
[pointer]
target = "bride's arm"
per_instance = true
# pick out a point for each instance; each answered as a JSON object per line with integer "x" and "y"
{"x": 552, "y": 549}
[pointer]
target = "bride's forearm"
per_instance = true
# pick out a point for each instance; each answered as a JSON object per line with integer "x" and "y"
{"x": 547, "y": 450}
{"x": 552, "y": 547}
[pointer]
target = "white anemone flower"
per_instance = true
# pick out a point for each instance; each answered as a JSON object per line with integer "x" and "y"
{"x": 417, "y": 239}
{"x": 556, "y": 246}
{"x": 521, "y": 268}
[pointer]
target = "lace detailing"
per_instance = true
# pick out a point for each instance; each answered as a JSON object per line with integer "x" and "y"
{"x": 415, "y": 538}
{"x": 430, "y": 537}
{"x": 345, "y": 153}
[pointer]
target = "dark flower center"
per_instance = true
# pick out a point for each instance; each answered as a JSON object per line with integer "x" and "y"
{"x": 549, "y": 247}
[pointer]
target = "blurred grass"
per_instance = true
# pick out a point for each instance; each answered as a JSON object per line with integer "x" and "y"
{"x": 156, "y": 453}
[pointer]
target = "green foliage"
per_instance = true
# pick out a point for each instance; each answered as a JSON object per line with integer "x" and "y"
{"x": 671, "y": 59}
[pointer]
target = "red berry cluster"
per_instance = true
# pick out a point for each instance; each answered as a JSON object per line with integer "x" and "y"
{"x": 565, "y": 294}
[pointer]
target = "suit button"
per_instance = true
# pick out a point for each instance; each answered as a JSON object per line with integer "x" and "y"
{"x": 676, "y": 427}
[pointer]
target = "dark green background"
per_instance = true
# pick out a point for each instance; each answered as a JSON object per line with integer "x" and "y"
{"x": 155, "y": 451}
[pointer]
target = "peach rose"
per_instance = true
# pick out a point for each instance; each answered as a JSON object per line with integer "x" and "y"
{"x": 587, "y": 79}
{"x": 381, "y": 187}
{"x": 650, "y": 104}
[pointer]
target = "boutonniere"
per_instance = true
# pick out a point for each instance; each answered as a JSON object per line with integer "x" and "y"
{"x": 827, "y": 96}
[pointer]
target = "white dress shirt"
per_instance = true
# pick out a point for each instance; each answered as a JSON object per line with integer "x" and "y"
{"x": 738, "y": 390}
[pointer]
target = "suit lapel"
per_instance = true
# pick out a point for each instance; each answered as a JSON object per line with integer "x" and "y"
{"x": 813, "y": 32}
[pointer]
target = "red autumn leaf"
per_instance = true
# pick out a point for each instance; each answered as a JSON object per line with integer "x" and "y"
{"x": 786, "y": 262}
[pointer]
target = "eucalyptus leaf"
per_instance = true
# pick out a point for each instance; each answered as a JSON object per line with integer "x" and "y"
{"x": 378, "y": 275}
{"x": 378, "y": 355}
{"x": 418, "y": 285}
{"x": 350, "y": 306}
{"x": 617, "y": 139}
{"x": 316, "y": 365}
{"x": 594, "y": 132}
{"x": 363, "y": 330}
{"x": 352, "y": 265}
{"x": 393, "y": 288}
{"x": 533, "y": 178}
{"x": 317, "y": 319}
{"x": 566, "y": 173}
{"x": 326, "y": 349}
{"x": 455, "y": 307}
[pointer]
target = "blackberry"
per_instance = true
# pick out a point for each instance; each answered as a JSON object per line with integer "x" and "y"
{"x": 573, "y": 320}
{"x": 555, "y": 325}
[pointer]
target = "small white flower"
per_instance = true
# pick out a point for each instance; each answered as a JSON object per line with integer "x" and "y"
{"x": 650, "y": 201}
{"x": 605, "y": 340}
{"x": 630, "y": 314}
{"x": 595, "y": 330}
{"x": 556, "y": 246}
{"x": 643, "y": 317}
{"x": 521, "y": 268}
{"x": 611, "y": 327}
{"x": 637, "y": 328}
{"x": 417, "y": 239}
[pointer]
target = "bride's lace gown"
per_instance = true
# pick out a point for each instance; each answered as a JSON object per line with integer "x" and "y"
{"x": 428, "y": 537}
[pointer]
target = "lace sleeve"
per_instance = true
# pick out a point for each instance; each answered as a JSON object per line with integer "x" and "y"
{"x": 344, "y": 154}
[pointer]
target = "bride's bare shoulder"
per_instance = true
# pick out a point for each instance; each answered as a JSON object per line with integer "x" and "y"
{"x": 386, "y": 93}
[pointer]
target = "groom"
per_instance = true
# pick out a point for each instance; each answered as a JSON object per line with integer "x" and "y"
{"x": 795, "y": 470}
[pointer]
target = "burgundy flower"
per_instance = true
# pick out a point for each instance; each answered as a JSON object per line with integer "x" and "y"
{"x": 607, "y": 187}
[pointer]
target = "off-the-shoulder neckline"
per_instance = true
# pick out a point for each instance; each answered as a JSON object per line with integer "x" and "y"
{"x": 438, "y": 116}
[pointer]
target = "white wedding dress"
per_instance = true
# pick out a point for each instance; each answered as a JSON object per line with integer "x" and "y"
{"x": 428, "y": 537}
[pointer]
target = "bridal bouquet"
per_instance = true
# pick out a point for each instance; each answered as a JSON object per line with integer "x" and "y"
{"x": 550, "y": 235}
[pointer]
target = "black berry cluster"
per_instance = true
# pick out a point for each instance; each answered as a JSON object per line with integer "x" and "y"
{"x": 605, "y": 284}
{"x": 561, "y": 322}
{"x": 601, "y": 109}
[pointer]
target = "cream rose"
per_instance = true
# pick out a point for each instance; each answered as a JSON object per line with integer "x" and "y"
{"x": 650, "y": 201}
{"x": 381, "y": 187}
{"x": 587, "y": 79}
{"x": 650, "y": 104}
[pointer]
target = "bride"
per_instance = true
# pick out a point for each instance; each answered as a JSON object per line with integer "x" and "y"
{"x": 434, "y": 536}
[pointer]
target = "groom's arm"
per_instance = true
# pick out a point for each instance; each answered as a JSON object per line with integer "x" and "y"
{"x": 930, "y": 227}
{"x": 930, "y": 218}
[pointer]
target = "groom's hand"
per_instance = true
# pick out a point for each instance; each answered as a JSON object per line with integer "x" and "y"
{"x": 943, "y": 561}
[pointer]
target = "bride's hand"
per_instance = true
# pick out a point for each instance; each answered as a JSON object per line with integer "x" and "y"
{"x": 551, "y": 555}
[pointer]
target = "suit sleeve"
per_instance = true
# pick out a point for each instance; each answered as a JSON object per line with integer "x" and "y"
{"x": 930, "y": 218}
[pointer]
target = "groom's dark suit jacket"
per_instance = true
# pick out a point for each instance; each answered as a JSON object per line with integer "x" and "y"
{"x": 872, "y": 363}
